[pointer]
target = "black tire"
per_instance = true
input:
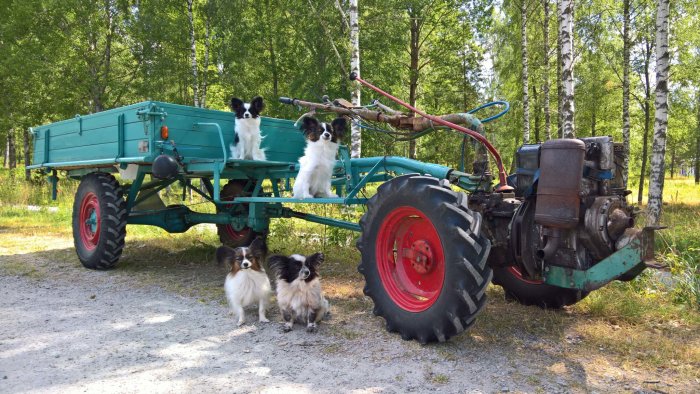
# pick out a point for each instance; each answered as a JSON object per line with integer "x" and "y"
{"x": 532, "y": 291}
{"x": 99, "y": 221}
{"x": 445, "y": 227}
{"x": 227, "y": 234}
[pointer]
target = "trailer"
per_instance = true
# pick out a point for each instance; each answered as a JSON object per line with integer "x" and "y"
{"x": 432, "y": 237}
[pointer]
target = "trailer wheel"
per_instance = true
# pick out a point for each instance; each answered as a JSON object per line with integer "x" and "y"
{"x": 423, "y": 258}
{"x": 99, "y": 221}
{"x": 228, "y": 235}
{"x": 532, "y": 291}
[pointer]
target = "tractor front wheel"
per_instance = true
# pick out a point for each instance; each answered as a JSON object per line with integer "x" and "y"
{"x": 423, "y": 258}
{"x": 99, "y": 221}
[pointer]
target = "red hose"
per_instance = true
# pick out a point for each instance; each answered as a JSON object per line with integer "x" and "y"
{"x": 503, "y": 186}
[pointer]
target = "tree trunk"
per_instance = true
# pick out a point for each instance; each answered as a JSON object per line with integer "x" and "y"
{"x": 537, "y": 113}
{"x": 207, "y": 45}
{"x": 645, "y": 151}
{"x": 697, "y": 142}
{"x": 193, "y": 55}
{"x": 646, "y": 106}
{"x": 593, "y": 119}
{"x": 566, "y": 31}
{"x": 27, "y": 173}
{"x": 663, "y": 64}
{"x": 355, "y": 132}
{"x": 413, "y": 70}
{"x": 545, "y": 72}
{"x": 560, "y": 86}
{"x": 271, "y": 47}
{"x": 626, "y": 91}
{"x": 524, "y": 74}
{"x": 11, "y": 150}
{"x": 672, "y": 170}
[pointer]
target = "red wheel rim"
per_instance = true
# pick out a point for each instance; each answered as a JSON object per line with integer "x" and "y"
{"x": 410, "y": 259}
{"x": 236, "y": 235}
{"x": 90, "y": 221}
{"x": 519, "y": 275}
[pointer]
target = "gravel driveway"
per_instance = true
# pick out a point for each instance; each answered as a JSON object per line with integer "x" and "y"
{"x": 93, "y": 331}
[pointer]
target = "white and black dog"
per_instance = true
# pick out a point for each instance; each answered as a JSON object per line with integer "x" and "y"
{"x": 247, "y": 140}
{"x": 247, "y": 283}
{"x": 299, "y": 293}
{"x": 316, "y": 166}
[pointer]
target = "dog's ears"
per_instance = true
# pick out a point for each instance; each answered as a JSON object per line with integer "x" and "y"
{"x": 339, "y": 124}
{"x": 257, "y": 104}
{"x": 236, "y": 103}
{"x": 258, "y": 248}
{"x": 309, "y": 124}
{"x": 225, "y": 255}
{"x": 315, "y": 259}
{"x": 277, "y": 262}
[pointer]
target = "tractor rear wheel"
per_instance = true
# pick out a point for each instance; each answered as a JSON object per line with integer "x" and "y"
{"x": 228, "y": 235}
{"x": 423, "y": 258}
{"x": 99, "y": 221}
{"x": 517, "y": 284}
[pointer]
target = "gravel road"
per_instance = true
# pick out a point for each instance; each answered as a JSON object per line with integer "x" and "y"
{"x": 83, "y": 330}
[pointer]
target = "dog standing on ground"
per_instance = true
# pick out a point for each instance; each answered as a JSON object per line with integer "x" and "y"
{"x": 316, "y": 166}
{"x": 247, "y": 139}
{"x": 247, "y": 283}
{"x": 299, "y": 293}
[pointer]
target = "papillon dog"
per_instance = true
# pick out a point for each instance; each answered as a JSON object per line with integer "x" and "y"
{"x": 316, "y": 166}
{"x": 247, "y": 140}
{"x": 299, "y": 293}
{"x": 247, "y": 283}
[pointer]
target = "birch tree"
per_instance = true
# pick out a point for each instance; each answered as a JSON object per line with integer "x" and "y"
{"x": 524, "y": 74}
{"x": 626, "y": 90}
{"x": 656, "y": 178}
{"x": 355, "y": 132}
{"x": 193, "y": 54}
{"x": 566, "y": 32}
{"x": 545, "y": 73}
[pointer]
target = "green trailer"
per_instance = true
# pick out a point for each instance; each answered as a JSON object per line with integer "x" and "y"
{"x": 432, "y": 237}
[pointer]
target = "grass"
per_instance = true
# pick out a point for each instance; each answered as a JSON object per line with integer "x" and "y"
{"x": 651, "y": 323}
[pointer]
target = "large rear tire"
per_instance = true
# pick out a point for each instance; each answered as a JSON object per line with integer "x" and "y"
{"x": 423, "y": 258}
{"x": 99, "y": 221}
{"x": 228, "y": 235}
{"x": 528, "y": 290}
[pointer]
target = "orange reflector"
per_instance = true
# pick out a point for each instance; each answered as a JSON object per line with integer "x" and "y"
{"x": 164, "y": 132}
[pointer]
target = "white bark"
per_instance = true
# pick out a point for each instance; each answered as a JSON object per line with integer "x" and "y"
{"x": 193, "y": 55}
{"x": 626, "y": 91}
{"x": 355, "y": 133}
{"x": 524, "y": 75}
{"x": 545, "y": 72}
{"x": 663, "y": 64}
{"x": 566, "y": 32}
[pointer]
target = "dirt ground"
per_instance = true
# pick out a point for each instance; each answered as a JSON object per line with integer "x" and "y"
{"x": 149, "y": 328}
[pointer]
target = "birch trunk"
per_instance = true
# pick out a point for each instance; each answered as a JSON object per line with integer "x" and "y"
{"x": 697, "y": 142}
{"x": 545, "y": 72}
{"x": 646, "y": 107}
{"x": 413, "y": 70}
{"x": 27, "y": 173}
{"x": 524, "y": 74}
{"x": 355, "y": 132}
{"x": 207, "y": 45}
{"x": 626, "y": 91}
{"x": 566, "y": 31}
{"x": 193, "y": 55}
{"x": 560, "y": 86}
{"x": 663, "y": 64}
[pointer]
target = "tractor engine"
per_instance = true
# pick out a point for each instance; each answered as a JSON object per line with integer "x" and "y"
{"x": 569, "y": 207}
{"x": 582, "y": 217}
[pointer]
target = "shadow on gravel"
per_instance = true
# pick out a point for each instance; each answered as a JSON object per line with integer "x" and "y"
{"x": 159, "y": 319}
